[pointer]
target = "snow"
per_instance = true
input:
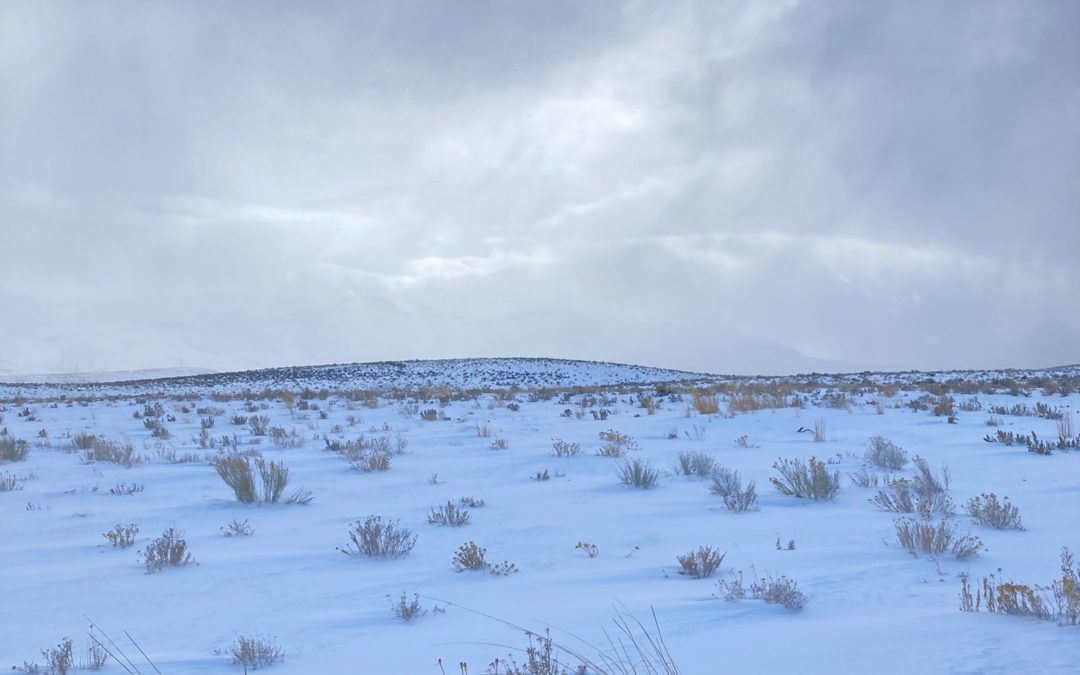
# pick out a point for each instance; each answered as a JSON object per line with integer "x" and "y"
{"x": 872, "y": 606}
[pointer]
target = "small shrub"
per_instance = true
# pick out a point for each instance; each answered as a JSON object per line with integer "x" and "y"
{"x": 695, "y": 463}
{"x": 483, "y": 430}
{"x": 590, "y": 550}
{"x": 237, "y": 528}
{"x": 168, "y": 550}
{"x": 921, "y": 536}
{"x": 471, "y": 502}
{"x": 885, "y": 454}
{"x": 471, "y": 556}
{"x": 259, "y": 425}
{"x": 375, "y": 460}
{"x": 809, "y": 481}
{"x": 778, "y": 590}
{"x": 9, "y": 483}
{"x": 122, "y": 536}
{"x": 987, "y": 510}
{"x": 563, "y": 449}
{"x": 706, "y": 404}
{"x": 819, "y": 431}
{"x": 500, "y": 444}
{"x": 865, "y": 478}
{"x": 701, "y": 563}
{"x": 238, "y": 420}
{"x": 83, "y": 441}
{"x": 375, "y": 539}
{"x": 728, "y": 486}
{"x": 103, "y": 450}
{"x": 13, "y": 449}
{"x": 255, "y": 652}
{"x": 59, "y": 660}
{"x": 235, "y": 470}
{"x": 126, "y": 489}
{"x": 406, "y": 609}
{"x": 637, "y": 473}
{"x": 448, "y": 515}
{"x": 615, "y": 444}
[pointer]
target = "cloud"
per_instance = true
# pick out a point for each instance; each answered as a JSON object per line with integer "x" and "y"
{"x": 252, "y": 184}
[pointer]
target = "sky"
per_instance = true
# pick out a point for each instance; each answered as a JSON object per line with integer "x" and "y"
{"x": 735, "y": 187}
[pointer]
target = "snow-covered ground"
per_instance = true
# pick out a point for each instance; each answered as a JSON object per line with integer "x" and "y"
{"x": 872, "y": 606}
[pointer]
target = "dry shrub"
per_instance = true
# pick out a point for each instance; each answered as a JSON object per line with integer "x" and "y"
{"x": 257, "y": 651}
{"x": 885, "y": 454}
{"x": 374, "y": 538}
{"x": 706, "y": 403}
{"x": 728, "y": 486}
{"x": 701, "y": 563}
{"x": 922, "y": 536}
{"x": 448, "y": 515}
{"x": 563, "y": 449}
{"x": 695, "y": 463}
{"x": 987, "y": 510}
{"x": 810, "y": 481}
{"x": 637, "y": 473}
{"x": 122, "y": 536}
{"x": 168, "y": 550}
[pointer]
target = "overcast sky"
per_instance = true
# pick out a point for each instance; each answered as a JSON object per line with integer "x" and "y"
{"x": 722, "y": 186}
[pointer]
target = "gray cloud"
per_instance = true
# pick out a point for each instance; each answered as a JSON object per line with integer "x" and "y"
{"x": 719, "y": 186}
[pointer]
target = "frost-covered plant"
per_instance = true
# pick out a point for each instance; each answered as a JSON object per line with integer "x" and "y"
{"x": 375, "y": 460}
{"x": 865, "y": 478}
{"x": 701, "y": 563}
{"x": 168, "y": 550}
{"x": 778, "y": 590}
{"x": 922, "y": 536}
{"x": 259, "y": 425}
{"x": 695, "y": 463}
{"x": 987, "y": 510}
{"x": 374, "y": 538}
{"x": 923, "y": 493}
{"x": 616, "y": 444}
{"x": 9, "y": 483}
{"x": 563, "y": 449}
{"x": 727, "y": 485}
{"x": 59, "y": 660}
{"x": 637, "y": 473}
{"x": 885, "y": 454}
{"x": 256, "y": 651}
{"x": 122, "y": 536}
{"x": 237, "y": 528}
{"x": 103, "y": 450}
{"x": 810, "y": 481}
{"x": 470, "y": 556}
{"x": 406, "y": 609}
{"x": 448, "y": 514}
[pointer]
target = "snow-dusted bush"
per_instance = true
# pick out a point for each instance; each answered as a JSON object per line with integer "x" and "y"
{"x": 374, "y": 460}
{"x": 923, "y": 536}
{"x": 923, "y": 493}
{"x": 885, "y": 454}
{"x": 257, "y": 651}
{"x": 778, "y": 590}
{"x": 237, "y": 528}
{"x": 616, "y": 444}
{"x": 987, "y": 510}
{"x": 472, "y": 556}
{"x": 239, "y": 473}
{"x": 865, "y": 478}
{"x": 9, "y": 483}
{"x": 637, "y": 473}
{"x": 122, "y": 536}
{"x": 809, "y": 480}
{"x": 701, "y": 563}
{"x": 448, "y": 514}
{"x": 563, "y": 449}
{"x": 695, "y": 463}
{"x": 104, "y": 450}
{"x": 727, "y": 485}
{"x": 374, "y": 538}
{"x": 12, "y": 449}
{"x": 168, "y": 550}
{"x": 406, "y": 609}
